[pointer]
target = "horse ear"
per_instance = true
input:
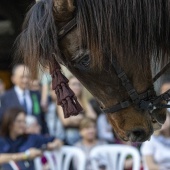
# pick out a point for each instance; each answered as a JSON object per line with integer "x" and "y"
{"x": 64, "y": 9}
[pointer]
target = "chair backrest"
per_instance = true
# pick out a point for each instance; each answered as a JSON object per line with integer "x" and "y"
{"x": 69, "y": 153}
{"x": 61, "y": 159}
{"x": 116, "y": 155}
{"x": 13, "y": 165}
{"x": 49, "y": 156}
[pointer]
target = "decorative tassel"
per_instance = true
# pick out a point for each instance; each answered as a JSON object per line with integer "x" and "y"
{"x": 54, "y": 81}
{"x": 65, "y": 96}
{"x": 67, "y": 92}
{"x": 77, "y": 104}
{"x": 71, "y": 107}
{"x": 61, "y": 78}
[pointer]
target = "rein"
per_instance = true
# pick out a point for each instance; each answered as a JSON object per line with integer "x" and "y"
{"x": 148, "y": 100}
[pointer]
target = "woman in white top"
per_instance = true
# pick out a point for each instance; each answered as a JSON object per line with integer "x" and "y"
{"x": 156, "y": 152}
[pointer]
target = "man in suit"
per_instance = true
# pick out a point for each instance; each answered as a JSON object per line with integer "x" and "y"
{"x": 21, "y": 96}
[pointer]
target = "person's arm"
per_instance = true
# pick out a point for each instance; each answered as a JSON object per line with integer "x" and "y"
{"x": 102, "y": 128}
{"x": 148, "y": 151}
{"x": 128, "y": 163}
{"x": 29, "y": 154}
{"x": 55, "y": 144}
{"x": 151, "y": 163}
{"x": 90, "y": 112}
{"x": 72, "y": 121}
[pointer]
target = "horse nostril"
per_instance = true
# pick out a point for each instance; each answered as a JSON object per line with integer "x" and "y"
{"x": 137, "y": 135}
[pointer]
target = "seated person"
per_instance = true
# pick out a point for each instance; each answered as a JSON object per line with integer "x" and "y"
{"x": 89, "y": 139}
{"x": 156, "y": 152}
{"x": 54, "y": 123}
{"x": 16, "y": 145}
{"x": 104, "y": 129}
{"x": 32, "y": 125}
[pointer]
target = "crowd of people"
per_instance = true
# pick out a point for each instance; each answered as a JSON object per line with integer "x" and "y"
{"x": 31, "y": 121}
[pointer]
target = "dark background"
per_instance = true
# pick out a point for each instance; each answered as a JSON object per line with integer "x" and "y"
{"x": 12, "y": 13}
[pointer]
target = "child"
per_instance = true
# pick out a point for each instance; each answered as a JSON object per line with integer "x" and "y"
{"x": 89, "y": 139}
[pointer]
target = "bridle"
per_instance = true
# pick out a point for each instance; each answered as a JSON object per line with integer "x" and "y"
{"x": 147, "y": 101}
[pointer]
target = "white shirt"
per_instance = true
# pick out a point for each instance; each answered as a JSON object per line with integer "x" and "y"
{"x": 159, "y": 151}
{"x": 20, "y": 95}
{"x": 104, "y": 129}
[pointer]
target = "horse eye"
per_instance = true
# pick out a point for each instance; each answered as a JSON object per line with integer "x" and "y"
{"x": 83, "y": 63}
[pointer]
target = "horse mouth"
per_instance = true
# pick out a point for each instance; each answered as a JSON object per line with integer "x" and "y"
{"x": 138, "y": 134}
{"x": 133, "y": 138}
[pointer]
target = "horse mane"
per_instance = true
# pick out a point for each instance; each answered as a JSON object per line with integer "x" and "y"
{"x": 38, "y": 41}
{"x": 128, "y": 30}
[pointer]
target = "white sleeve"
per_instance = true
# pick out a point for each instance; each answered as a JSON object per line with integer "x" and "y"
{"x": 102, "y": 128}
{"x": 147, "y": 148}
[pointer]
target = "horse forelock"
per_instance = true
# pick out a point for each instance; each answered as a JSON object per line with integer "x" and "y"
{"x": 129, "y": 30}
{"x": 38, "y": 41}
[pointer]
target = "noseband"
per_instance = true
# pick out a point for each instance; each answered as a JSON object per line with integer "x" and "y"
{"x": 147, "y": 101}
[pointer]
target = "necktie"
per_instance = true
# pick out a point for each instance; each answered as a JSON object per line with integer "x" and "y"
{"x": 36, "y": 105}
{"x": 25, "y": 103}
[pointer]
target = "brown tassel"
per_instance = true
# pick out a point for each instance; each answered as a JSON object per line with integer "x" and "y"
{"x": 63, "y": 105}
{"x": 77, "y": 104}
{"x": 59, "y": 95}
{"x": 54, "y": 81}
{"x": 67, "y": 92}
{"x": 65, "y": 96}
{"x": 71, "y": 107}
{"x": 61, "y": 78}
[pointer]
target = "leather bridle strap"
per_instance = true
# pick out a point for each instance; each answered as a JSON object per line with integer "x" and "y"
{"x": 122, "y": 105}
{"x": 67, "y": 28}
{"x": 147, "y": 100}
{"x": 126, "y": 82}
{"x": 163, "y": 70}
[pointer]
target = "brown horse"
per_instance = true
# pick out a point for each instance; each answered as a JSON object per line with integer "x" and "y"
{"x": 135, "y": 33}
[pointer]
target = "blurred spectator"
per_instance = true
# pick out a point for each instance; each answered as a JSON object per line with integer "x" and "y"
{"x": 104, "y": 129}
{"x": 34, "y": 85}
{"x": 129, "y": 160}
{"x": 156, "y": 152}
{"x": 45, "y": 91}
{"x": 16, "y": 145}
{"x": 32, "y": 125}
{"x": 21, "y": 96}
{"x": 2, "y": 88}
{"x": 71, "y": 124}
{"x": 95, "y": 106}
{"x": 53, "y": 121}
{"x": 89, "y": 141}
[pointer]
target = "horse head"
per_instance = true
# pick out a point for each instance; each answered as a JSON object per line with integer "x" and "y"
{"x": 105, "y": 31}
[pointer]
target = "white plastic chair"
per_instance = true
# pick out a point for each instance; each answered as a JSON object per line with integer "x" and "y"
{"x": 68, "y": 153}
{"x": 13, "y": 165}
{"x": 63, "y": 158}
{"x": 49, "y": 157}
{"x": 116, "y": 155}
